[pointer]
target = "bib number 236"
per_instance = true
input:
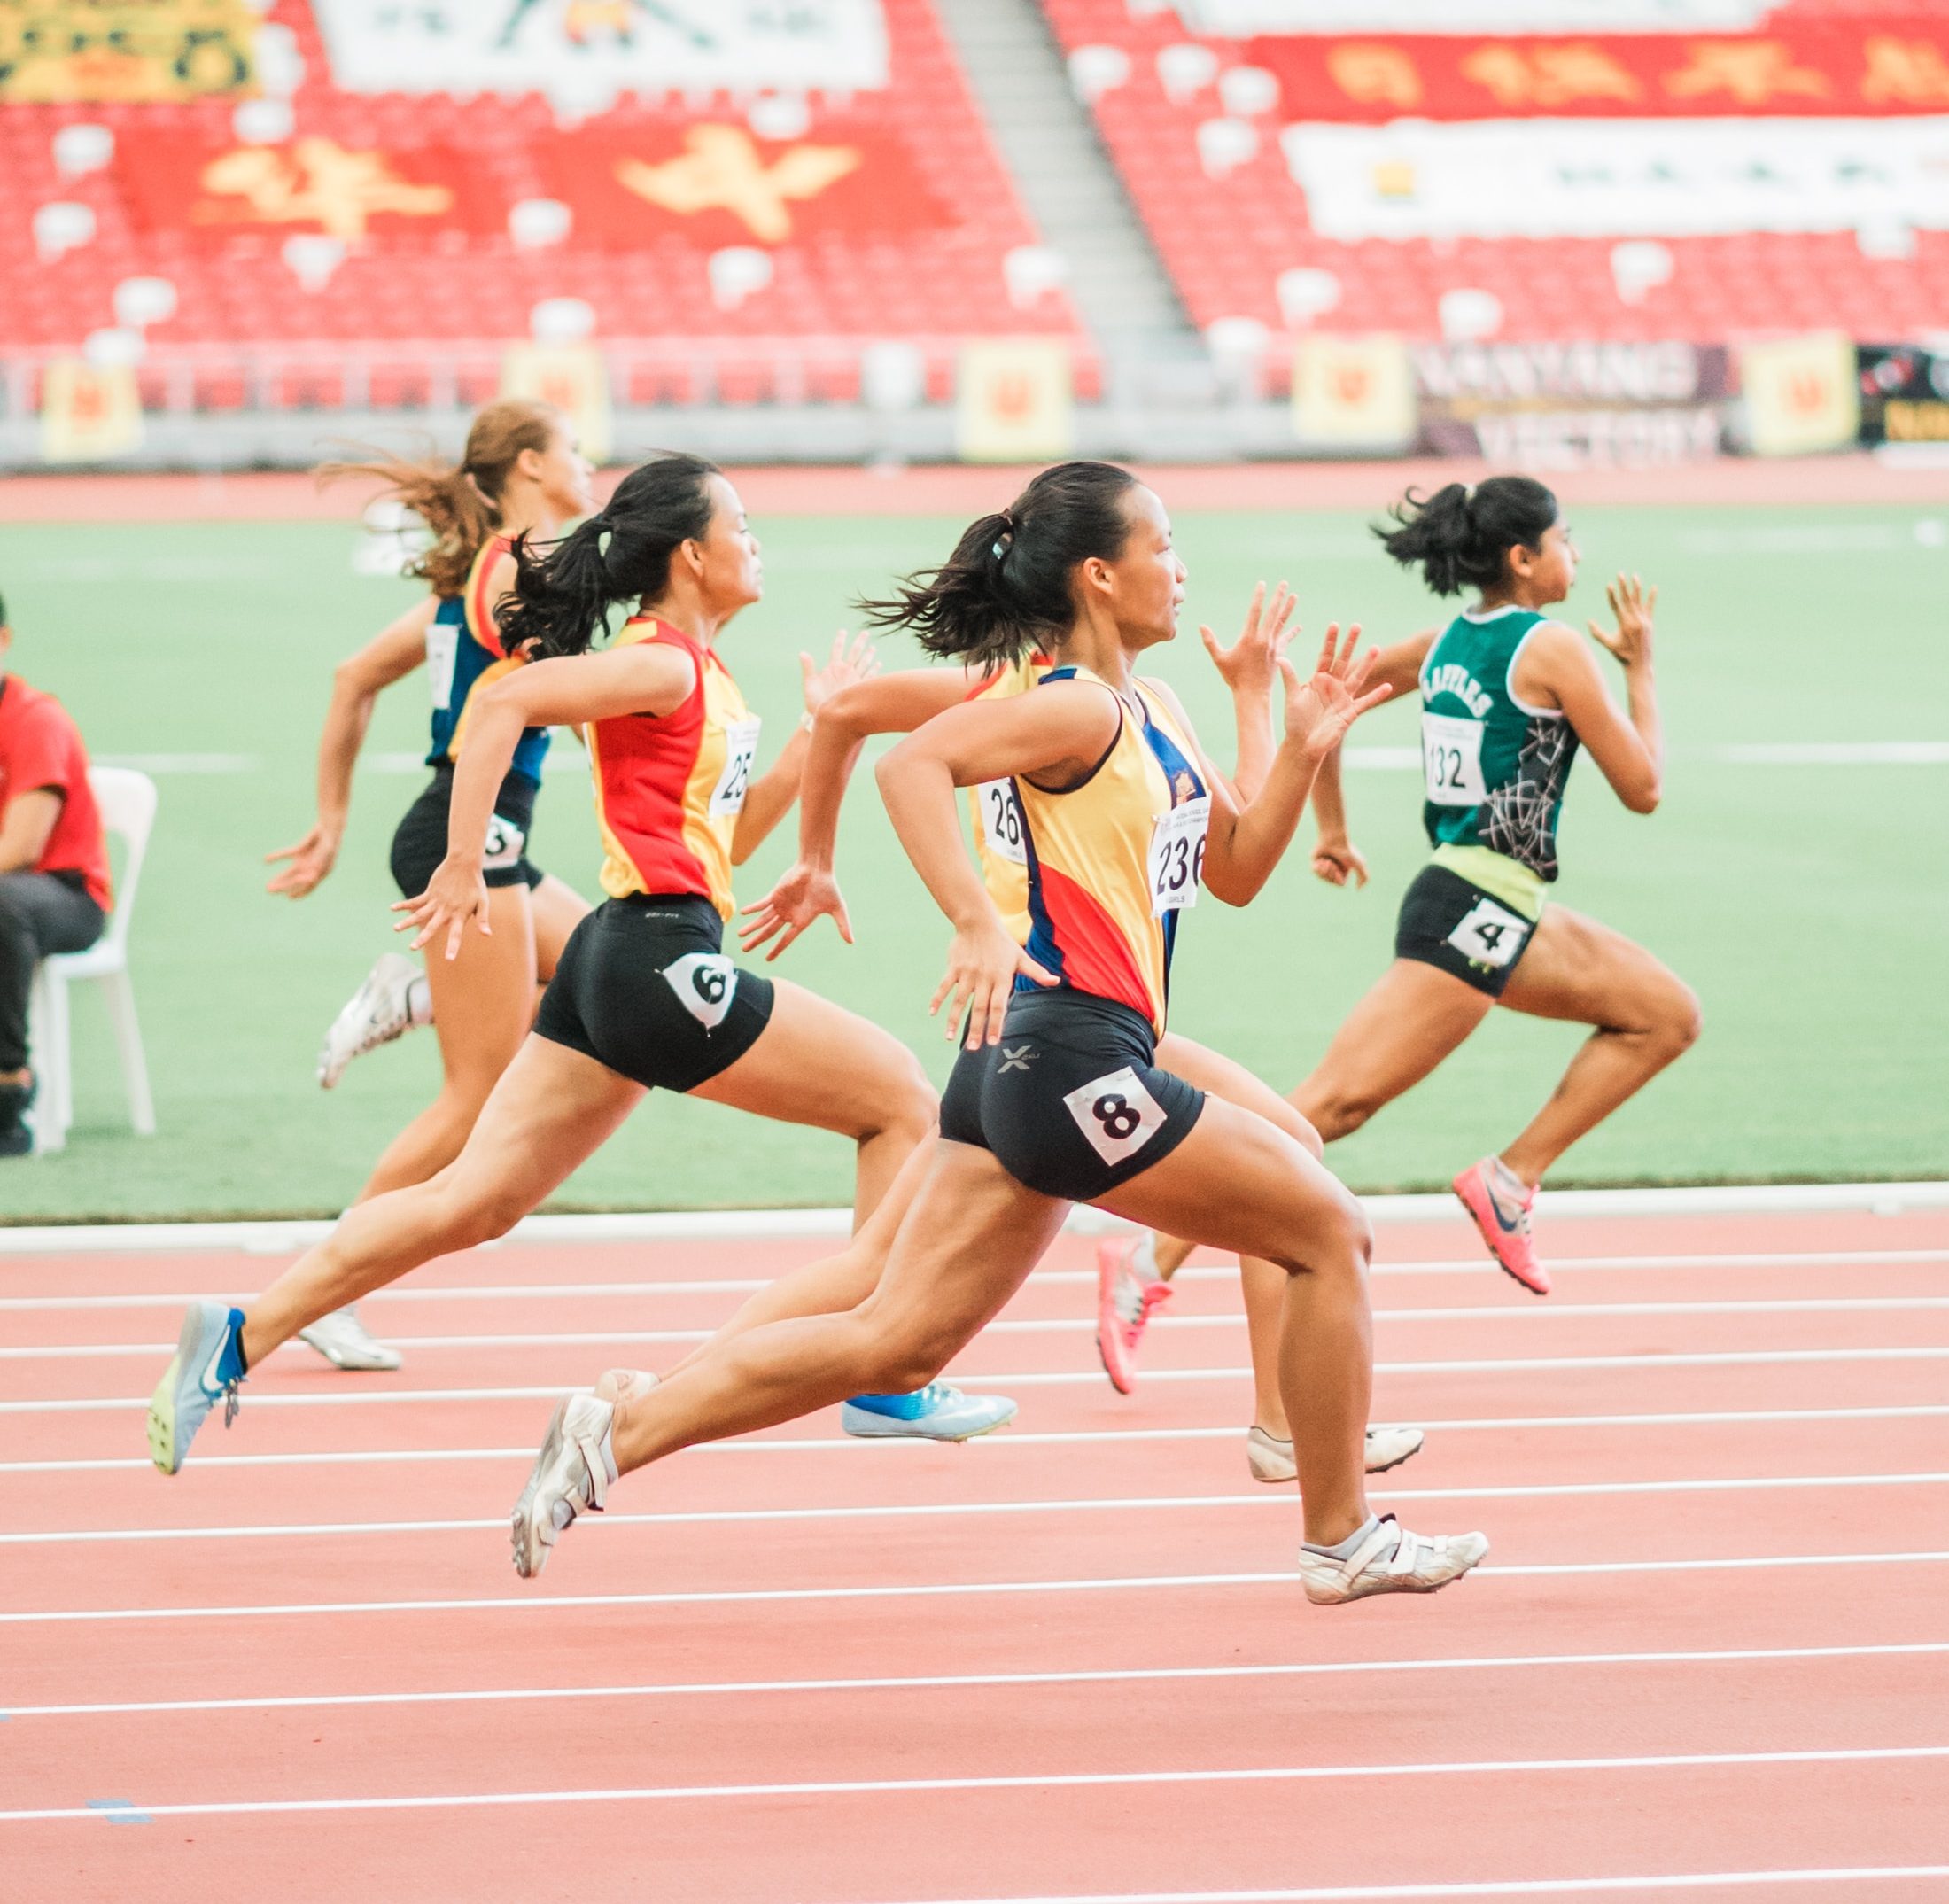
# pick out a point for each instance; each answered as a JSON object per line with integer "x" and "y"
{"x": 1178, "y": 855}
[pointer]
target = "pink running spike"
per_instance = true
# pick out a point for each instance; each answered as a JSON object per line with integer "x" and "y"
{"x": 1508, "y": 1237}
{"x": 1123, "y": 1310}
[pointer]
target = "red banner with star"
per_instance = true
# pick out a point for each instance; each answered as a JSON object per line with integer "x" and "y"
{"x": 1863, "y": 69}
{"x": 715, "y": 184}
{"x": 216, "y": 192}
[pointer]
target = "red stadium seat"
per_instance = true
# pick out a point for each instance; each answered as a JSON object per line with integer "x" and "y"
{"x": 1227, "y": 240}
{"x": 460, "y": 278}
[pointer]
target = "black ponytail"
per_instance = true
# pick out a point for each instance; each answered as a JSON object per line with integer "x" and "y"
{"x": 1460, "y": 538}
{"x": 1005, "y": 589}
{"x": 562, "y": 594}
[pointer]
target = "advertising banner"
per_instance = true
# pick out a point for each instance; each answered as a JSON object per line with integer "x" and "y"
{"x": 98, "y": 52}
{"x": 1858, "y": 68}
{"x": 583, "y": 53}
{"x": 1571, "y": 406}
{"x": 1237, "y": 17}
{"x": 1801, "y": 394}
{"x": 574, "y": 379}
{"x": 1353, "y": 392}
{"x": 212, "y": 191}
{"x": 712, "y": 185}
{"x": 88, "y": 413}
{"x": 1013, "y": 398}
{"x": 1904, "y": 393}
{"x": 1620, "y": 177}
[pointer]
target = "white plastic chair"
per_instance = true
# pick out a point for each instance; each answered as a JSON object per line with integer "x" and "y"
{"x": 128, "y": 803}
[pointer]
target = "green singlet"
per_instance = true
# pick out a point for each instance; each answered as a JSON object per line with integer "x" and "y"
{"x": 1494, "y": 768}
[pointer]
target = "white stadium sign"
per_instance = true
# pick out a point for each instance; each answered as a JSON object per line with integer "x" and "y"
{"x": 583, "y": 53}
{"x": 1620, "y": 178}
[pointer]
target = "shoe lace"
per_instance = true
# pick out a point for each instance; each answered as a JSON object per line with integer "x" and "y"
{"x": 591, "y": 1452}
{"x": 230, "y": 1401}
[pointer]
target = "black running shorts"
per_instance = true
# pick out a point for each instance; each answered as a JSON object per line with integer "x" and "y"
{"x": 644, "y": 988}
{"x": 1070, "y": 1101}
{"x": 419, "y": 841}
{"x": 1451, "y": 922}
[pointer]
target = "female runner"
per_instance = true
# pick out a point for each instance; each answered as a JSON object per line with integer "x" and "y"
{"x": 1508, "y": 694}
{"x": 643, "y": 997}
{"x": 520, "y": 474}
{"x": 1055, "y": 1098}
{"x": 899, "y": 703}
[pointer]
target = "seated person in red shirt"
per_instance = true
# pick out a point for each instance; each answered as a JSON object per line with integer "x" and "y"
{"x": 53, "y": 868}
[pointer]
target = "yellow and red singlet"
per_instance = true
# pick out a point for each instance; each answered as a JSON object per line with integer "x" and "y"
{"x": 669, "y": 787}
{"x": 998, "y": 819}
{"x": 1111, "y": 862}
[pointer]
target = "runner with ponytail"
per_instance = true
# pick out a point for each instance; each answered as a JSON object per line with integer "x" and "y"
{"x": 643, "y": 997}
{"x": 1056, "y": 1096}
{"x": 519, "y": 474}
{"x": 1508, "y": 696}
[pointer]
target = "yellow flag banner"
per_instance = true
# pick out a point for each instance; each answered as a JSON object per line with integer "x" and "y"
{"x": 574, "y": 379}
{"x": 88, "y": 414}
{"x": 1801, "y": 394}
{"x": 1353, "y": 392}
{"x": 102, "y": 53}
{"x": 1012, "y": 401}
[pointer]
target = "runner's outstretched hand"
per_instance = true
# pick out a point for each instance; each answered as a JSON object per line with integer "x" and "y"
{"x": 455, "y": 894}
{"x": 1319, "y": 711}
{"x": 802, "y": 894}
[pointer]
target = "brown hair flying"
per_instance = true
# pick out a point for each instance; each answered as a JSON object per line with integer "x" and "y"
{"x": 460, "y": 503}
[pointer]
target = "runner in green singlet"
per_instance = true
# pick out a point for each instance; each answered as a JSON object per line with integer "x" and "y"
{"x": 1508, "y": 697}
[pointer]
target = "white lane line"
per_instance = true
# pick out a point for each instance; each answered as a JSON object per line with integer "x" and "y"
{"x": 1509, "y": 1887}
{"x": 845, "y": 1787}
{"x": 939, "y": 1510}
{"x": 1085, "y": 1377}
{"x": 1196, "y": 1272}
{"x": 1081, "y": 1324}
{"x": 932, "y": 1682}
{"x": 529, "y": 1603}
{"x": 1015, "y": 1438}
{"x": 259, "y": 1236}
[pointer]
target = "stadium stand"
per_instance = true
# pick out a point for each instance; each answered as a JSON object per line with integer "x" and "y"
{"x": 338, "y": 239}
{"x": 1705, "y": 185}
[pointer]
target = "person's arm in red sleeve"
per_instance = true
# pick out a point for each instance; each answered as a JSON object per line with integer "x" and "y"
{"x": 38, "y": 768}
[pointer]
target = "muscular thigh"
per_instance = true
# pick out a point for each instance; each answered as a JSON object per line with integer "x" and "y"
{"x": 1238, "y": 1183}
{"x": 816, "y": 1064}
{"x": 484, "y": 998}
{"x": 551, "y": 1109}
{"x": 970, "y": 1236}
{"x": 1211, "y": 1071}
{"x": 1580, "y": 969}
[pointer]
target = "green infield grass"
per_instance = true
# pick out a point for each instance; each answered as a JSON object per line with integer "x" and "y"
{"x": 1797, "y": 874}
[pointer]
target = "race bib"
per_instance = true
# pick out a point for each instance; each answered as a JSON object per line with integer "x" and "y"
{"x": 1002, "y": 821}
{"x": 1116, "y": 1114}
{"x": 741, "y": 747}
{"x": 506, "y": 843}
{"x": 705, "y": 983}
{"x": 1491, "y": 935}
{"x": 1451, "y": 758}
{"x": 442, "y": 649}
{"x": 1178, "y": 855}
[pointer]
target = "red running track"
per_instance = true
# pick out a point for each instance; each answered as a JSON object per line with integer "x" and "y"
{"x": 1708, "y": 1656}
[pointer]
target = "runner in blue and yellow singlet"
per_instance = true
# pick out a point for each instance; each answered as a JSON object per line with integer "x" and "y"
{"x": 1509, "y": 696}
{"x": 1057, "y": 1096}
